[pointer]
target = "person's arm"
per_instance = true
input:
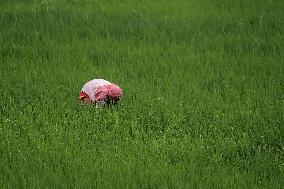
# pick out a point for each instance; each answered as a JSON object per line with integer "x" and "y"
{"x": 84, "y": 97}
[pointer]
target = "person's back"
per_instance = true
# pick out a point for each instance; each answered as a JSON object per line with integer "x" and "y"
{"x": 91, "y": 87}
{"x": 100, "y": 92}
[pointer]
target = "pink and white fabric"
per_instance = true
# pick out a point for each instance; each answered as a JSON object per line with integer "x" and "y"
{"x": 100, "y": 89}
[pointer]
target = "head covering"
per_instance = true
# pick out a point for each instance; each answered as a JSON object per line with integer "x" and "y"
{"x": 108, "y": 91}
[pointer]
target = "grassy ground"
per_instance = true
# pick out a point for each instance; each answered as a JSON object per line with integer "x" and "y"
{"x": 203, "y": 84}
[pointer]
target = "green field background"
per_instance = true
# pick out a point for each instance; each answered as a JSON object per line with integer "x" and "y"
{"x": 203, "y": 102}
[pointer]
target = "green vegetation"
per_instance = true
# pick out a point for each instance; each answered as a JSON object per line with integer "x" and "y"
{"x": 203, "y": 84}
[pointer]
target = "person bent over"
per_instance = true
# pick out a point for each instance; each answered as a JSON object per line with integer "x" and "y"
{"x": 100, "y": 92}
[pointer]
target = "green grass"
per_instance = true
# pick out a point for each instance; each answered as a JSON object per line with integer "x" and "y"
{"x": 203, "y": 102}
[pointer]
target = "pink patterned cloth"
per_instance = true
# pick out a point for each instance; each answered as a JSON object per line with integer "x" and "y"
{"x": 100, "y": 89}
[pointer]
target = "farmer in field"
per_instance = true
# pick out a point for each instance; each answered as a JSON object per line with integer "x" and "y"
{"x": 100, "y": 92}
